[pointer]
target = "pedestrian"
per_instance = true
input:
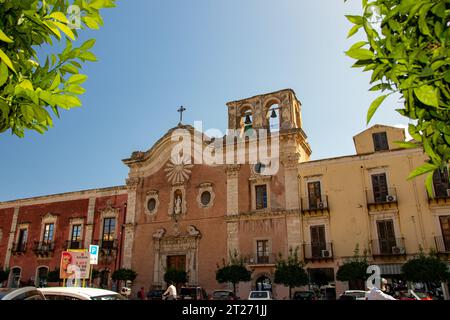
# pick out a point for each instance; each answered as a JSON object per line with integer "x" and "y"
{"x": 379, "y": 294}
{"x": 171, "y": 292}
{"x": 141, "y": 294}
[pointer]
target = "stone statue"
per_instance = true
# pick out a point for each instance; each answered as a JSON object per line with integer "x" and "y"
{"x": 193, "y": 231}
{"x": 177, "y": 208}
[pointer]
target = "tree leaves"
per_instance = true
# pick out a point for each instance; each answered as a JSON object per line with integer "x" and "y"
{"x": 427, "y": 95}
{"x": 410, "y": 57}
{"x": 374, "y": 106}
{"x": 31, "y": 87}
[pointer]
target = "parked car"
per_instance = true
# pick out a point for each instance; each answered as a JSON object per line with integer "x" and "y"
{"x": 358, "y": 294}
{"x": 347, "y": 297}
{"x": 78, "y": 293}
{"x": 328, "y": 293}
{"x": 224, "y": 295}
{"x": 192, "y": 293}
{"x": 155, "y": 294}
{"x": 408, "y": 294}
{"x": 260, "y": 295}
{"x": 25, "y": 293}
{"x": 304, "y": 295}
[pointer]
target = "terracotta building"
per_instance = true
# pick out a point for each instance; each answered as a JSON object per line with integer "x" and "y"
{"x": 191, "y": 201}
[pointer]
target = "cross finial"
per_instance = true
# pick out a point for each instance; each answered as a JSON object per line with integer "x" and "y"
{"x": 181, "y": 110}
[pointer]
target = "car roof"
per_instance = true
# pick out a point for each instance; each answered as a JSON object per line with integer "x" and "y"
{"x": 86, "y": 292}
{"x": 7, "y": 293}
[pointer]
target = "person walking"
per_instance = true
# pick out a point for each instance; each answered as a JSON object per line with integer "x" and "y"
{"x": 141, "y": 294}
{"x": 379, "y": 294}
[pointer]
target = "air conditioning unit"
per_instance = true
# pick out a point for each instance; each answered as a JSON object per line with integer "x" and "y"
{"x": 251, "y": 260}
{"x": 391, "y": 198}
{"x": 326, "y": 253}
{"x": 448, "y": 192}
{"x": 398, "y": 250}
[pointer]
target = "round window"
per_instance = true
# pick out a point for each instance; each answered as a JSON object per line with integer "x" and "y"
{"x": 206, "y": 198}
{"x": 151, "y": 205}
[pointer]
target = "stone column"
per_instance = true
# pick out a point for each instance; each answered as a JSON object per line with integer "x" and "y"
{"x": 12, "y": 233}
{"x": 232, "y": 207}
{"x": 90, "y": 223}
{"x": 127, "y": 245}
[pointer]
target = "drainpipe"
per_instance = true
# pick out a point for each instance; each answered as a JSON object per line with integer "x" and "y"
{"x": 122, "y": 234}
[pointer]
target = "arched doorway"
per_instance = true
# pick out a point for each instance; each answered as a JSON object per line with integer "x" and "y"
{"x": 15, "y": 275}
{"x": 104, "y": 279}
{"x": 263, "y": 283}
{"x": 41, "y": 277}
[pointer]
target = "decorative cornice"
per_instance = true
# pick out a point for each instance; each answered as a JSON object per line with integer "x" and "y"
{"x": 258, "y": 215}
{"x": 132, "y": 183}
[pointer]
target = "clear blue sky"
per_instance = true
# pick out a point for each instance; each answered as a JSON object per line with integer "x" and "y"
{"x": 155, "y": 55}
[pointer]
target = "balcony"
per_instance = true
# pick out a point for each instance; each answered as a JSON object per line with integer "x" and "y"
{"x": 44, "y": 248}
{"x": 261, "y": 259}
{"x": 19, "y": 248}
{"x": 381, "y": 200}
{"x": 107, "y": 247}
{"x": 315, "y": 205}
{"x": 318, "y": 251}
{"x": 442, "y": 245}
{"x": 441, "y": 197}
{"x": 388, "y": 247}
{"x": 73, "y": 245}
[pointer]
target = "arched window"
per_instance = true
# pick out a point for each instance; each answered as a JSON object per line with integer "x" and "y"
{"x": 41, "y": 277}
{"x": 104, "y": 279}
{"x": 273, "y": 118}
{"x": 15, "y": 277}
{"x": 246, "y": 119}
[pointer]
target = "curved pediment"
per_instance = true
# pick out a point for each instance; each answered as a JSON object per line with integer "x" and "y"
{"x": 163, "y": 154}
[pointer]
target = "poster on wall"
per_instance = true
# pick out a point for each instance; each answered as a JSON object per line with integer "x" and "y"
{"x": 74, "y": 265}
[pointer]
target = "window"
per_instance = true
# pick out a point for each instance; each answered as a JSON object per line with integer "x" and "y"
{"x": 151, "y": 204}
{"x": 386, "y": 236}
{"x": 380, "y": 141}
{"x": 75, "y": 238}
{"x": 380, "y": 189}
{"x": 48, "y": 233}
{"x": 262, "y": 251}
{"x": 42, "y": 276}
{"x": 314, "y": 194}
{"x": 441, "y": 183}
{"x": 109, "y": 232}
{"x": 205, "y": 198}
{"x": 445, "y": 228}
{"x": 318, "y": 242}
{"x": 22, "y": 241}
{"x": 261, "y": 197}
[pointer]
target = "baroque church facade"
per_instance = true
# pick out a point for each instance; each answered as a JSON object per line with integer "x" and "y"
{"x": 179, "y": 209}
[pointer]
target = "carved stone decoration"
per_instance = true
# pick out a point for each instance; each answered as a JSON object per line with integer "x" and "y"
{"x": 132, "y": 183}
{"x": 137, "y": 155}
{"x": 205, "y": 187}
{"x": 177, "y": 205}
{"x": 159, "y": 233}
{"x": 193, "y": 231}
{"x": 291, "y": 160}
{"x": 232, "y": 170}
{"x": 178, "y": 170}
{"x": 151, "y": 196}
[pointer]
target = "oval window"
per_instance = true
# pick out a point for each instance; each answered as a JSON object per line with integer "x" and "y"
{"x": 151, "y": 205}
{"x": 206, "y": 198}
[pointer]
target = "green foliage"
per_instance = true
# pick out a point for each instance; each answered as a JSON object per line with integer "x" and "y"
{"x": 4, "y": 274}
{"x": 408, "y": 53}
{"x": 30, "y": 88}
{"x": 124, "y": 275}
{"x": 290, "y": 272}
{"x": 234, "y": 272}
{"x": 354, "y": 269}
{"x": 425, "y": 269}
{"x": 176, "y": 276}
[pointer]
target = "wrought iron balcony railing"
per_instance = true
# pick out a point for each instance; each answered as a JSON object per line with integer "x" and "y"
{"x": 315, "y": 203}
{"x": 44, "y": 247}
{"x": 73, "y": 245}
{"x": 442, "y": 244}
{"x": 388, "y": 247}
{"x": 318, "y": 250}
{"x": 388, "y": 196}
{"x": 19, "y": 248}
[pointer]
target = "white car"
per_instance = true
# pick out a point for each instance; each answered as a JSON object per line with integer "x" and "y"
{"x": 260, "y": 295}
{"x": 78, "y": 293}
{"x": 26, "y": 293}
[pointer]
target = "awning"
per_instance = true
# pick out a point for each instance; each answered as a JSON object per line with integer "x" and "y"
{"x": 391, "y": 269}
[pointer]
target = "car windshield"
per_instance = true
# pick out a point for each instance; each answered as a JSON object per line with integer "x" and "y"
{"x": 188, "y": 291}
{"x": 421, "y": 294}
{"x": 259, "y": 294}
{"x": 356, "y": 294}
{"x": 155, "y": 293}
{"x": 109, "y": 297}
{"x": 304, "y": 294}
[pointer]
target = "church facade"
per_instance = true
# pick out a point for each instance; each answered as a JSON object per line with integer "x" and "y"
{"x": 192, "y": 201}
